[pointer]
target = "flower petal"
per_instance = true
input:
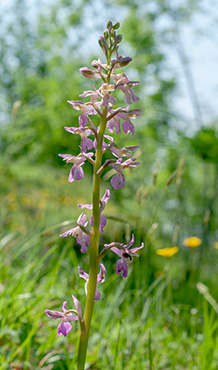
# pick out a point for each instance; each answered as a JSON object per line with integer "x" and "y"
{"x": 118, "y": 181}
{"x": 77, "y": 306}
{"x": 54, "y": 314}
{"x": 116, "y": 250}
{"x": 122, "y": 266}
{"x": 64, "y": 306}
{"x": 134, "y": 250}
{"x": 82, "y": 240}
{"x": 83, "y": 274}
{"x": 130, "y": 243}
{"x": 101, "y": 275}
{"x": 64, "y": 328}
{"x": 103, "y": 222}
{"x": 128, "y": 127}
{"x": 97, "y": 295}
{"x": 87, "y": 206}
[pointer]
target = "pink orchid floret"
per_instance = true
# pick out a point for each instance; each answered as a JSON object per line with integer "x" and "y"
{"x": 66, "y": 316}
{"x": 94, "y": 95}
{"x": 85, "y": 108}
{"x": 114, "y": 123}
{"x": 125, "y": 85}
{"x": 104, "y": 91}
{"x": 84, "y": 133}
{"x": 100, "y": 279}
{"x": 76, "y": 172}
{"x": 118, "y": 180}
{"x": 123, "y": 152}
{"x": 82, "y": 238}
{"x": 126, "y": 115}
{"x": 99, "y": 65}
{"x": 102, "y": 205}
{"x": 126, "y": 254}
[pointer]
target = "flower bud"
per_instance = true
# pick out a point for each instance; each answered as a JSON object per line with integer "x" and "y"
{"x": 109, "y": 25}
{"x": 106, "y": 34}
{"x": 113, "y": 33}
{"x": 125, "y": 61}
{"x": 121, "y": 62}
{"x": 116, "y": 25}
{"x": 103, "y": 44}
{"x": 118, "y": 39}
{"x": 87, "y": 72}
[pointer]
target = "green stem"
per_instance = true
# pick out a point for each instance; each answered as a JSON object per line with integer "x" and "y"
{"x": 93, "y": 249}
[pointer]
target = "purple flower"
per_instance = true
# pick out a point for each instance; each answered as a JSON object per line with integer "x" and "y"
{"x": 125, "y": 115}
{"x": 118, "y": 180}
{"x": 81, "y": 237}
{"x": 86, "y": 109}
{"x": 94, "y": 95}
{"x": 76, "y": 172}
{"x": 127, "y": 124}
{"x": 97, "y": 64}
{"x": 100, "y": 279}
{"x": 104, "y": 92}
{"x": 102, "y": 205}
{"x": 114, "y": 123}
{"x": 123, "y": 83}
{"x": 84, "y": 133}
{"x": 126, "y": 255}
{"x": 65, "y": 327}
{"x": 120, "y": 152}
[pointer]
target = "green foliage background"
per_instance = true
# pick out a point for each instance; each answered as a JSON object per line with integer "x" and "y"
{"x": 156, "y": 318}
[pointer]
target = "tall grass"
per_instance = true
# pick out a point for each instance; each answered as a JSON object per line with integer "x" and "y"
{"x": 137, "y": 324}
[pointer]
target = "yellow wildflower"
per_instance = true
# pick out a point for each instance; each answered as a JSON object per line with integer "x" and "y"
{"x": 192, "y": 242}
{"x": 167, "y": 252}
{"x": 215, "y": 245}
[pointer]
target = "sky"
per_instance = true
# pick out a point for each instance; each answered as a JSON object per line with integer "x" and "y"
{"x": 201, "y": 46}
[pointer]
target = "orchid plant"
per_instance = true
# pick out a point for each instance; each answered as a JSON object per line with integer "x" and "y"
{"x": 95, "y": 142}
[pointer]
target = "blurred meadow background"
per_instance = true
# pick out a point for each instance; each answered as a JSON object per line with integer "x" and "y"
{"x": 164, "y": 315}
